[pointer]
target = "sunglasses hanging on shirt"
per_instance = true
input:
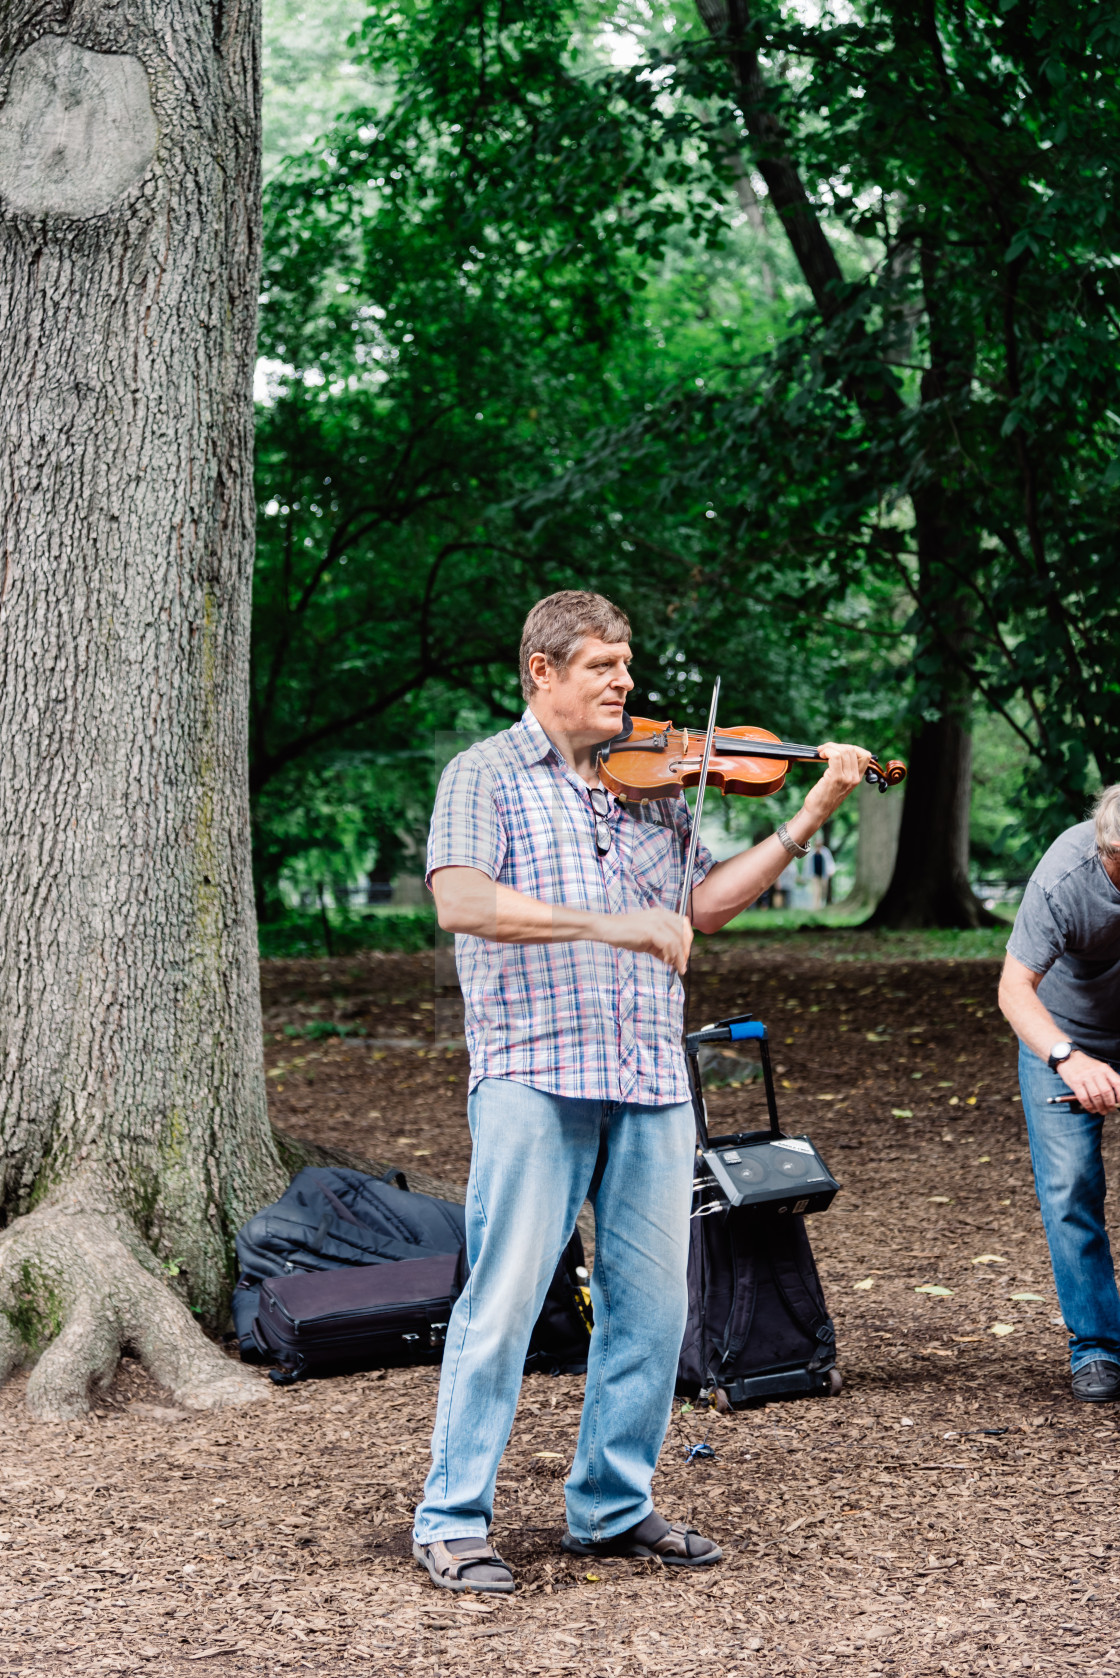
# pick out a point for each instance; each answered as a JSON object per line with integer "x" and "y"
{"x": 601, "y": 804}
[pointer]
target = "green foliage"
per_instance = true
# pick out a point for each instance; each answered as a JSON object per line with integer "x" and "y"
{"x": 831, "y": 940}
{"x": 340, "y": 932}
{"x": 316, "y": 1030}
{"x": 321, "y": 824}
{"x": 943, "y": 423}
{"x": 308, "y": 74}
{"x": 531, "y": 321}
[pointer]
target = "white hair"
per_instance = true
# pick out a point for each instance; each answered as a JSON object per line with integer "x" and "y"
{"x": 1106, "y": 817}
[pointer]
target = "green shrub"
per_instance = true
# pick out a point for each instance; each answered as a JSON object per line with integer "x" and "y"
{"x": 304, "y": 934}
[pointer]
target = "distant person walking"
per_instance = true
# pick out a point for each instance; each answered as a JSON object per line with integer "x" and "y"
{"x": 1060, "y": 992}
{"x": 785, "y": 886}
{"x": 822, "y": 866}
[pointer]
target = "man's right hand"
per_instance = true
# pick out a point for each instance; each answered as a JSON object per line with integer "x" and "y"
{"x": 1093, "y": 1082}
{"x": 656, "y": 932}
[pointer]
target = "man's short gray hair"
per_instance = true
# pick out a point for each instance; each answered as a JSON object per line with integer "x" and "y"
{"x": 1106, "y": 817}
{"x": 557, "y": 625}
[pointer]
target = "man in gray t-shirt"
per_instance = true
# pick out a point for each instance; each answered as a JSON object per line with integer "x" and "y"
{"x": 1060, "y": 991}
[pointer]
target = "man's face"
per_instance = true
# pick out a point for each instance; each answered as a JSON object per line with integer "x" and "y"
{"x": 586, "y": 700}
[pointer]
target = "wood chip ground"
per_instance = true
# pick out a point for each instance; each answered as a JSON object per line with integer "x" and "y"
{"x": 953, "y": 1512}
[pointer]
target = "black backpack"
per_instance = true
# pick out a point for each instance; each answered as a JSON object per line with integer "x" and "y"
{"x": 331, "y": 1218}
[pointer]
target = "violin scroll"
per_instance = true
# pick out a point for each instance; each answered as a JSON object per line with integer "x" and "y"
{"x": 884, "y": 775}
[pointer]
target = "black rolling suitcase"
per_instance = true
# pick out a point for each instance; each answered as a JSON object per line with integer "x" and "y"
{"x": 758, "y": 1327}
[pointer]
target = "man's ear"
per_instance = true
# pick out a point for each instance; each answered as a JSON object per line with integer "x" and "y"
{"x": 540, "y": 670}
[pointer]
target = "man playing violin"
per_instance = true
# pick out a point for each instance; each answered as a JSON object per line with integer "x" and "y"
{"x": 569, "y": 949}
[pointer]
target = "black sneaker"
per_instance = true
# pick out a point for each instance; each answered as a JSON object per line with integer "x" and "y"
{"x": 1097, "y": 1382}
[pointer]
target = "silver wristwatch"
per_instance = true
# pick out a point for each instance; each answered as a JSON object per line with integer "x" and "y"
{"x": 1059, "y": 1053}
{"x": 790, "y": 842}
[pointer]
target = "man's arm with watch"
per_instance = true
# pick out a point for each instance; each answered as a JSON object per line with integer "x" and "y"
{"x": 1093, "y": 1082}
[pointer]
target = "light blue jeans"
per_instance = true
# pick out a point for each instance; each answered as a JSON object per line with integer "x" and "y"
{"x": 536, "y": 1158}
{"x": 1069, "y": 1180}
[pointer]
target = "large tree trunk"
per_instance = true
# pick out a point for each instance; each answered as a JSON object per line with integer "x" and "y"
{"x": 133, "y": 1127}
{"x": 929, "y": 885}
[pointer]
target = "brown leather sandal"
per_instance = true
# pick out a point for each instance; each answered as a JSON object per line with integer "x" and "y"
{"x": 450, "y": 1569}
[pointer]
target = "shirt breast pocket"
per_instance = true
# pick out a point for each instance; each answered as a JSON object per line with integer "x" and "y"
{"x": 656, "y": 865}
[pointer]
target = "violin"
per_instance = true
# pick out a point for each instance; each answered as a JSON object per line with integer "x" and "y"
{"x": 655, "y": 760}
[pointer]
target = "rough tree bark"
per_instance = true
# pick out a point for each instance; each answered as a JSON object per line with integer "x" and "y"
{"x": 133, "y": 1128}
{"x": 930, "y": 886}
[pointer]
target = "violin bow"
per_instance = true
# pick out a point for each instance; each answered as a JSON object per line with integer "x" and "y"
{"x": 694, "y": 839}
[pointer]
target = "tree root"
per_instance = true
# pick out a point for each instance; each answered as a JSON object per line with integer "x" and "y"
{"x": 78, "y": 1288}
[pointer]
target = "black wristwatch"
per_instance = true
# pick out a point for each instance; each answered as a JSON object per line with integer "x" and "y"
{"x": 1060, "y": 1052}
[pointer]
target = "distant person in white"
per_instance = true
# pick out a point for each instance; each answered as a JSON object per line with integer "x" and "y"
{"x": 822, "y": 866}
{"x": 786, "y": 886}
{"x": 1060, "y": 992}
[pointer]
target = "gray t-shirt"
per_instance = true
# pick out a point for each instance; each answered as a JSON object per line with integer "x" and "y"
{"x": 1068, "y": 928}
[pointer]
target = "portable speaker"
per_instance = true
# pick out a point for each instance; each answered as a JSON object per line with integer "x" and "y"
{"x": 761, "y": 1167}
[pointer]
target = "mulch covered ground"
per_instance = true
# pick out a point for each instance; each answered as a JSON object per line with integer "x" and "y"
{"x": 952, "y": 1512}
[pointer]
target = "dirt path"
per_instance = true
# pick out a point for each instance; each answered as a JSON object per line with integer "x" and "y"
{"x": 952, "y": 1512}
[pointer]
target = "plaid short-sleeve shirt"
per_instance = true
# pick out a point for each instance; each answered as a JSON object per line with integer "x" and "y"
{"x": 581, "y": 1019}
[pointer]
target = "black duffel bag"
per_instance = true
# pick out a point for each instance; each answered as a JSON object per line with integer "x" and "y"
{"x": 330, "y": 1280}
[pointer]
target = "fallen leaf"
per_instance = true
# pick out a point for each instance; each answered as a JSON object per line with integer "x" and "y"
{"x": 941, "y": 1199}
{"x": 865, "y": 1286}
{"x": 937, "y": 1291}
{"x": 989, "y": 1258}
{"x": 902, "y": 1113}
{"x": 557, "y": 1456}
{"x": 985, "y": 1159}
{"x": 1035, "y": 1298}
{"x": 1002, "y": 1328}
{"x": 592, "y": 1578}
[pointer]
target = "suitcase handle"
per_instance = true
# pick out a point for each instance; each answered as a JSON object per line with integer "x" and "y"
{"x": 740, "y": 1028}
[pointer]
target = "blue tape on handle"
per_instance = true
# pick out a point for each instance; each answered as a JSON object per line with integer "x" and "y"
{"x": 749, "y": 1028}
